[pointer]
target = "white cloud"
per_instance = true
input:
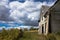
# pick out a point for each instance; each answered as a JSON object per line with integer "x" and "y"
{"x": 25, "y": 13}
{"x": 18, "y": 27}
{"x": 21, "y": 11}
{"x": 4, "y": 2}
{"x": 2, "y": 27}
{"x": 8, "y": 27}
{"x": 34, "y": 16}
{"x": 15, "y": 5}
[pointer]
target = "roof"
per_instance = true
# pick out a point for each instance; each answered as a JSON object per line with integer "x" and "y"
{"x": 54, "y": 4}
{"x": 50, "y": 8}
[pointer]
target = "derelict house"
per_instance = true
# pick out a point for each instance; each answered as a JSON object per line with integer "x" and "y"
{"x": 50, "y": 19}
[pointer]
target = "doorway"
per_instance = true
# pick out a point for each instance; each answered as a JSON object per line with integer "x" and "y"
{"x": 42, "y": 29}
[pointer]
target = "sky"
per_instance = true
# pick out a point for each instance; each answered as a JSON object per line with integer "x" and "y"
{"x": 21, "y": 13}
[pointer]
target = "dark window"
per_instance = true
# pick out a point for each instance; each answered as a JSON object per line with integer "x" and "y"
{"x": 42, "y": 29}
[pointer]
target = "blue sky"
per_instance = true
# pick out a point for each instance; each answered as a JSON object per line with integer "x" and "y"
{"x": 16, "y": 13}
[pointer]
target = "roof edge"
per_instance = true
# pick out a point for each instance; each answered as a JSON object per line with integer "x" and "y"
{"x": 54, "y": 4}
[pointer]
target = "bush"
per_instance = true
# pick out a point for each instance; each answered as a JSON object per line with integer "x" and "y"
{"x": 12, "y": 34}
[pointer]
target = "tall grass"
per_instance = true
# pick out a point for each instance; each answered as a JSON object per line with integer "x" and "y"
{"x": 33, "y": 35}
{"x": 15, "y": 34}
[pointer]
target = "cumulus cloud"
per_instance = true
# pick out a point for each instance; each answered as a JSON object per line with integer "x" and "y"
{"x": 23, "y": 12}
{"x": 2, "y": 27}
{"x": 4, "y": 12}
{"x": 3, "y": 2}
{"x": 26, "y": 13}
{"x": 9, "y": 27}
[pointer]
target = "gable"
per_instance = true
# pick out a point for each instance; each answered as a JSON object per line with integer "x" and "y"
{"x": 56, "y": 6}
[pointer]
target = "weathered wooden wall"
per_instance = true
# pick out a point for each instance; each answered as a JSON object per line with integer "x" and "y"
{"x": 55, "y": 18}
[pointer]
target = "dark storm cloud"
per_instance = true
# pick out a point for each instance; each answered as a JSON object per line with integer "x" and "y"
{"x": 4, "y": 13}
{"x": 28, "y": 22}
{"x": 31, "y": 23}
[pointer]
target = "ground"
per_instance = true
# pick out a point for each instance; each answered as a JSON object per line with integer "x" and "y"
{"x": 30, "y": 35}
{"x": 33, "y": 35}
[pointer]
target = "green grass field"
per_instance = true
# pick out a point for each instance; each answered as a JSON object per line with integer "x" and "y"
{"x": 33, "y": 35}
{"x": 15, "y": 34}
{"x": 30, "y": 35}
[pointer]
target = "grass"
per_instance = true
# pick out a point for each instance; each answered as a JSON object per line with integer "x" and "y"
{"x": 33, "y": 35}
{"x": 30, "y": 35}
